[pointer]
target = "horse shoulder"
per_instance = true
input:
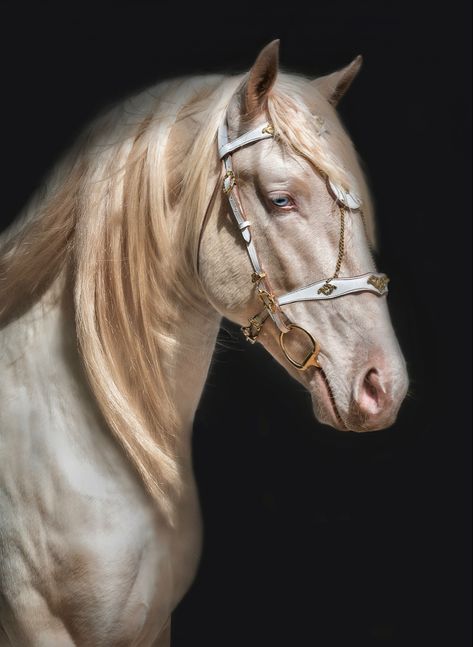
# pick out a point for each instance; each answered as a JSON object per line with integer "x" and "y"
{"x": 81, "y": 543}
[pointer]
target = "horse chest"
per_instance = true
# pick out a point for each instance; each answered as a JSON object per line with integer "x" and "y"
{"x": 81, "y": 543}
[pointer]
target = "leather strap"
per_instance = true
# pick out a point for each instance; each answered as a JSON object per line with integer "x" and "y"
{"x": 263, "y": 131}
{"x": 377, "y": 283}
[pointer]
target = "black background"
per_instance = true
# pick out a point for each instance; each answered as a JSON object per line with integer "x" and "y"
{"x": 313, "y": 537}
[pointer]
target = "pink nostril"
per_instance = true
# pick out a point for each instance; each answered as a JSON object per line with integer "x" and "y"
{"x": 372, "y": 395}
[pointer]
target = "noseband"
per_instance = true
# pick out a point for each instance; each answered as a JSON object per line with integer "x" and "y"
{"x": 330, "y": 288}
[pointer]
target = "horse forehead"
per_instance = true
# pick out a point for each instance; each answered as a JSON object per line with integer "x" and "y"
{"x": 268, "y": 159}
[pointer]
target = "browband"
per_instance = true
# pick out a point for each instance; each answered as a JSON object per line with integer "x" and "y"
{"x": 225, "y": 147}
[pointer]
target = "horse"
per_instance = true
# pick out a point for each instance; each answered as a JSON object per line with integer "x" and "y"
{"x": 199, "y": 198}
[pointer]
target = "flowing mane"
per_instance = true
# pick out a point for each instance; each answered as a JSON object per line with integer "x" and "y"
{"x": 135, "y": 189}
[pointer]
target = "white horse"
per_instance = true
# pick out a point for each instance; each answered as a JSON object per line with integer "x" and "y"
{"x": 113, "y": 285}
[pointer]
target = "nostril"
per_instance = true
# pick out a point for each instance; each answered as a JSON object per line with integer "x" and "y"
{"x": 372, "y": 394}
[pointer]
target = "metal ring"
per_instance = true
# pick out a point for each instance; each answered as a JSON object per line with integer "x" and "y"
{"x": 311, "y": 359}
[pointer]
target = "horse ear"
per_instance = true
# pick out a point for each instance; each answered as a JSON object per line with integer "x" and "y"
{"x": 333, "y": 86}
{"x": 261, "y": 79}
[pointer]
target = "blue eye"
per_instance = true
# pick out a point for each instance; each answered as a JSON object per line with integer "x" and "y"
{"x": 281, "y": 201}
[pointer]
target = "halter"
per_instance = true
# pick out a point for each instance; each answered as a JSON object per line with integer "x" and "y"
{"x": 330, "y": 288}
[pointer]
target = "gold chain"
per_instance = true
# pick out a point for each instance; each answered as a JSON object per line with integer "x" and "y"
{"x": 327, "y": 288}
{"x": 341, "y": 244}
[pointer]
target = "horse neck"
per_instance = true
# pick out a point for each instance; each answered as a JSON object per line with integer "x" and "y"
{"x": 189, "y": 359}
{"x": 45, "y": 335}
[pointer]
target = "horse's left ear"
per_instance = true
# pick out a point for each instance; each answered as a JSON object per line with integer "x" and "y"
{"x": 333, "y": 86}
{"x": 261, "y": 79}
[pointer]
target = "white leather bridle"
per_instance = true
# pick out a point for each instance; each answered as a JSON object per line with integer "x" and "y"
{"x": 319, "y": 291}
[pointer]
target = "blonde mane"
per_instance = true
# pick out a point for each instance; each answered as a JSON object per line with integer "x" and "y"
{"x": 135, "y": 187}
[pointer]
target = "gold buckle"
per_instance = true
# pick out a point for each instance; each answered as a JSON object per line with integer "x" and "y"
{"x": 268, "y": 300}
{"x": 252, "y": 331}
{"x": 256, "y": 277}
{"x": 229, "y": 175}
{"x": 311, "y": 358}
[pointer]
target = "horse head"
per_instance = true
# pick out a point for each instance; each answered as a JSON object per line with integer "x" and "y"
{"x": 295, "y": 211}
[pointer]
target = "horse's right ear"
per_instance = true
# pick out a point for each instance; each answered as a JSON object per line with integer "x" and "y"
{"x": 333, "y": 86}
{"x": 254, "y": 91}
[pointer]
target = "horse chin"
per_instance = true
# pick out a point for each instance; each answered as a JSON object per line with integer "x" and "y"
{"x": 324, "y": 402}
